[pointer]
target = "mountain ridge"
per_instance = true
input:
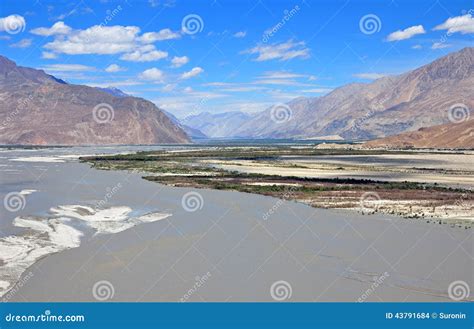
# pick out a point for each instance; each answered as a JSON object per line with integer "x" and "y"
{"x": 216, "y": 125}
{"x": 362, "y": 111}
{"x": 387, "y": 106}
{"x": 194, "y": 133}
{"x": 37, "y": 108}
{"x": 449, "y": 135}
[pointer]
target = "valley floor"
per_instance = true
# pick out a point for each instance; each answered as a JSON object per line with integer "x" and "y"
{"x": 434, "y": 186}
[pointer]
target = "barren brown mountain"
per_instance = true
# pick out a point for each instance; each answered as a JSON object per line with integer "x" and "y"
{"x": 387, "y": 106}
{"x": 451, "y": 135}
{"x": 36, "y": 108}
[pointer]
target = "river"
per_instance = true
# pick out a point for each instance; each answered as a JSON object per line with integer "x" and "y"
{"x": 73, "y": 233}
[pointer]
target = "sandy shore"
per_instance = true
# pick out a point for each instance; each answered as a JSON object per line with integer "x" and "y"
{"x": 444, "y": 169}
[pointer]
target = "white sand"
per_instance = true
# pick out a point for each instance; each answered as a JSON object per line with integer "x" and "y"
{"x": 50, "y": 159}
{"x": 106, "y": 221}
{"x": 39, "y": 159}
{"x": 20, "y": 252}
{"x": 328, "y": 169}
{"x": 46, "y": 236}
{"x": 27, "y": 192}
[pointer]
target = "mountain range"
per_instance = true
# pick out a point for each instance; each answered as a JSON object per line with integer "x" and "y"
{"x": 37, "y": 108}
{"x": 387, "y": 106}
{"x": 217, "y": 125}
{"x": 191, "y": 132}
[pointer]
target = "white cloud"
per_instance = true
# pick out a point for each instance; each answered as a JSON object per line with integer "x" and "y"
{"x": 370, "y": 76}
{"x": 282, "y": 51}
{"x": 152, "y": 74}
{"x": 12, "y": 24}
{"x": 284, "y": 78}
{"x": 188, "y": 103}
{"x": 112, "y": 68}
{"x": 124, "y": 83}
{"x": 169, "y": 87}
{"x": 206, "y": 94}
{"x": 406, "y": 33}
{"x": 440, "y": 45}
{"x": 218, "y": 84}
{"x": 280, "y": 75}
{"x": 57, "y": 29}
{"x": 240, "y": 34}
{"x": 179, "y": 61}
{"x": 68, "y": 68}
{"x": 144, "y": 54}
{"x": 165, "y": 34}
{"x": 47, "y": 55}
{"x": 98, "y": 40}
{"x": 79, "y": 9}
{"x": 194, "y": 72}
{"x": 462, "y": 24}
{"x": 234, "y": 87}
{"x": 24, "y": 43}
{"x": 416, "y": 47}
{"x": 242, "y": 89}
{"x": 109, "y": 40}
{"x": 266, "y": 81}
{"x": 283, "y": 82}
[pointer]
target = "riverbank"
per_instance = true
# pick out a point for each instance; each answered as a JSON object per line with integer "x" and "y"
{"x": 407, "y": 187}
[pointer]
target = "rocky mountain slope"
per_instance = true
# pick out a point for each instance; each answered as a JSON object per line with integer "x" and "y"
{"x": 451, "y": 135}
{"x": 191, "y": 132}
{"x": 387, "y": 106}
{"x": 39, "y": 109}
{"x": 194, "y": 133}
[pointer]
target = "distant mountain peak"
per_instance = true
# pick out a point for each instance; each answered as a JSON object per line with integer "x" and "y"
{"x": 217, "y": 125}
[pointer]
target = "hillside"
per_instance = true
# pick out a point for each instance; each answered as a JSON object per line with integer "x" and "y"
{"x": 39, "y": 109}
{"x": 452, "y": 135}
{"x": 387, "y": 106}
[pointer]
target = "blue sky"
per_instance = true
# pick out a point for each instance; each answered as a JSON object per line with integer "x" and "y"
{"x": 218, "y": 56}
